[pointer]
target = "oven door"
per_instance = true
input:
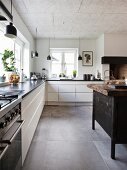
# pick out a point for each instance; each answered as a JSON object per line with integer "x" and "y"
{"x": 10, "y": 148}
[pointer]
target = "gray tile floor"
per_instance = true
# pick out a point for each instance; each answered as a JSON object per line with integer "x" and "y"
{"x": 64, "y": 140}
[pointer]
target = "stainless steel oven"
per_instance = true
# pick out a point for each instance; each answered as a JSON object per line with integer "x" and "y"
{"x": 10, "y": 136}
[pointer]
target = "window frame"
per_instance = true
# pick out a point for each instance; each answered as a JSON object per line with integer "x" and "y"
{"x": 63, "y": 51}
{"x": 15, "y": 41}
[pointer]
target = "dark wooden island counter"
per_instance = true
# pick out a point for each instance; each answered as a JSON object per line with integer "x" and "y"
{"x": 110, "y": 111}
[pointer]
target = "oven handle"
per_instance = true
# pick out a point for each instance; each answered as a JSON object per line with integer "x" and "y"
{"x": 4, "y": 151}
{"x": 18, "y": 121}
{"x": 8, "y": 142}
{"x": 18, "y": 129}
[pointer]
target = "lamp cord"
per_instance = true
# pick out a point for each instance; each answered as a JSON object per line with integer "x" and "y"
{"x": 36, "y": 40}
{"x": 49, "y": 46}
{"x": 36, "y": 32}
{"x": 79, "y": 45}
{"x": 11, "y": 7}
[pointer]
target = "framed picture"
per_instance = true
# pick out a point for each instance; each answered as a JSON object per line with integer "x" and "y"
{"x": 87, "y": 58}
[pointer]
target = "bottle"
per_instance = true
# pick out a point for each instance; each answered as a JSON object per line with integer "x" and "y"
{"x": 98, "y": 75}
{"x": 21, "y": 76}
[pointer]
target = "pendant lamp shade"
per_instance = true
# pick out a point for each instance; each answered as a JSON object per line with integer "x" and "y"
{"x": 36, "y": 54}
{"x": 49, "y": 57}
{"x": 79, "y": 57}
{"x": 11, "y": 31}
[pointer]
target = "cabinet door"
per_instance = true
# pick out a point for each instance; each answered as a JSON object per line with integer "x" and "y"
{"x": 53, "y": 97}
{"x": 67, "y": 97}
{"x": 84, "y": 97}
{"x": 52, "y": 88}
{"x": 67, "y": 88}
{"x": 82, "y": 88}
{"x": 31, "y": 106}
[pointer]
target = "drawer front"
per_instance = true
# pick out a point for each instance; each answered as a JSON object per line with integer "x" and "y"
{"x": 53, "y": 88}
{"x": 83, "y": 88}
{"x": 52, "y": 96}
{"x": 67, "y": 97}
{"x": 66, "y": 88}
{"x": 84, "y": 97}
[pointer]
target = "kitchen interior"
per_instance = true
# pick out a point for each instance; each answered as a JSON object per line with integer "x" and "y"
{"x": 63, "y": 85}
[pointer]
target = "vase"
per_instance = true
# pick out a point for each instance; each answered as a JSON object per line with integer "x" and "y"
{"x": 14, "y": 78}
{"x": 74, "y": 75}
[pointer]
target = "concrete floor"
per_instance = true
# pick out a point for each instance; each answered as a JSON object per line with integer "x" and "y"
{"x": 64, "y": 140}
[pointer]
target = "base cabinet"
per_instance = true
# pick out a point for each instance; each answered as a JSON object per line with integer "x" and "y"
{"x": 71, "y": 92}
{"x": 84, "y": 97}
{"x": 31, "y": 106}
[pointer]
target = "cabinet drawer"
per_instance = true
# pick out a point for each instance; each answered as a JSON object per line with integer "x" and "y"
{"x": 53, "y": 88}
{"x": 52, "y": 96}
{"x": 84, "y": 97}
{"x": 83, "y": 88}
{"x": 67, "y": 97}
{"x": 67, "y": 88}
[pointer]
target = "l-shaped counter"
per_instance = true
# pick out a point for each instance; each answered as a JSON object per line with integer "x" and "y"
{"x": 33, "y": 95}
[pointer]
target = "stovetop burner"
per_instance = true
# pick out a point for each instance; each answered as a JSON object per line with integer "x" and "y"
{"x": 7, "y": 97}
{"x": 6, "y": 101}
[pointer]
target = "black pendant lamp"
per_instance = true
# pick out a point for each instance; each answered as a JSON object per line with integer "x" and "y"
{"x": 36, "y": 53}
{"x": 11, "y": 31}
{"x": 79, "y": 57}
{"x": 49, "y": 57}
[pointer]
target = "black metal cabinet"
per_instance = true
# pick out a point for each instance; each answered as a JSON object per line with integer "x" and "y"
{"x": 111, "y": 113}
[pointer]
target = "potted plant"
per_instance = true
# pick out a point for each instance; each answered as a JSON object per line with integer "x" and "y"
{"x": 74, "y": 73}
{"x": 8, "y": 60}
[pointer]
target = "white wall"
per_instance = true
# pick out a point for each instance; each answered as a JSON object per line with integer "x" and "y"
{"x": 115, "y": 44}
{"x": 85, "y": 45}
{"x": 100, "y": 53}
{"x": 25, "y": 33}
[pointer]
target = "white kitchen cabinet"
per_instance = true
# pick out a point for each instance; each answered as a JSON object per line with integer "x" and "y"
{"x": 82, "y": 88}
{"x": 84, "y": 97}
{"x": 67, "y": 97}
{"x": 52, "y": 88}
{"x": 52, "y": 92}
{"x": 31, "y": 109}
{"x": 53, "y": 97}
{"x": 66, "y": 88}
{"x": 69, "y": 91}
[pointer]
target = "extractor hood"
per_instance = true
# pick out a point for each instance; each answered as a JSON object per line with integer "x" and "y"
{"x": 114, "y": 60}
{"x": 5, "y": 15}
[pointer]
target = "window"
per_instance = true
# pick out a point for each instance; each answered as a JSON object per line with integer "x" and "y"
{"x": 15, "y": 45}
{"x": 5, "y": 43}
{"x": 63, "y": 61}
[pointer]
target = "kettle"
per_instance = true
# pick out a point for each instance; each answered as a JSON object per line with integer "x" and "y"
{"x": 34, "y": 77}
{"x": 92, "y": 77}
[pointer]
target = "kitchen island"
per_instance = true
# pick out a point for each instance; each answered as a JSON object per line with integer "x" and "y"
{"x": 110, "y": 111}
